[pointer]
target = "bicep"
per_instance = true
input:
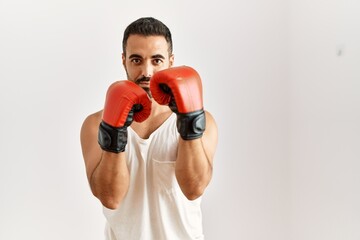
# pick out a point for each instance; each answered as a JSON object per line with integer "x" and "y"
{"x": 90, "y": 148}
{"x": 210, "y": 137}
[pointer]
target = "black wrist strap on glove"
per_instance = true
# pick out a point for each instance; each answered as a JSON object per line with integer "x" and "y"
{"x": 112, "y": 139}
{"x": 191, "y": 125}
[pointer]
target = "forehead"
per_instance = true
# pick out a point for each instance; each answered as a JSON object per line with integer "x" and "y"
{"x": 138, "y": 44}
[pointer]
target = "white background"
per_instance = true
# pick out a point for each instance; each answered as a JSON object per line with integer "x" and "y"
{"x": 282, "y": 79}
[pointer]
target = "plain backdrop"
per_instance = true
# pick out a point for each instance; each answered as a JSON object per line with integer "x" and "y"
{"x": 281, "y": 78}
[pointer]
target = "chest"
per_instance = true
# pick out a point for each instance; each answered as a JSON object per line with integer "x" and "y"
{"x": 149, "y": 126}
{"x": 160, "y": 146}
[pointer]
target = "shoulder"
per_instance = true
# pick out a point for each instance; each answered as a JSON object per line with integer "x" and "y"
{"x": 89, "y": 141}
{"x": 94, "y": 118}
{"x": 91, "y": 122}
{"x": 210, "y": 120}
{"x": 211, "y": 130}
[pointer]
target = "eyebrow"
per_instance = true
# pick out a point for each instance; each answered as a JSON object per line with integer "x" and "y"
{"x": 154, "y": 56}
{"x": 135, "y": 56}
{"x": 158, "y": 56}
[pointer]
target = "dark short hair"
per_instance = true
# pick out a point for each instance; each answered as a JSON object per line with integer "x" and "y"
{"x": 148, "y": 26}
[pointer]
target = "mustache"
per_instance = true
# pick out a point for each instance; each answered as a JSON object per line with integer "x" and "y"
{"x": 142, "y": 79}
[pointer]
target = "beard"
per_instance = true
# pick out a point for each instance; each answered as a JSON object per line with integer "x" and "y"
{"x": 141, "y": 79}
{"x": 144, "y": 79}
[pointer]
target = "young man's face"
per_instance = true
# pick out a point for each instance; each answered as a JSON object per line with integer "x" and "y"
{"x": 144, "y": 56}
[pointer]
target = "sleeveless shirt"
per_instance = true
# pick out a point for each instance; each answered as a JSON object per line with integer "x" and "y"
{"x": 154, "y": 207}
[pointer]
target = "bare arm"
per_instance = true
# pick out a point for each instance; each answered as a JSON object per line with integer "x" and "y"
{"x": 194, "y": 163}
{"x": 107, "y": 172}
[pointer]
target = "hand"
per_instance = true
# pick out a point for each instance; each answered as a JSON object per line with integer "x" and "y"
{"x": 181, "y": 89}
{"x": 125, "y": 102}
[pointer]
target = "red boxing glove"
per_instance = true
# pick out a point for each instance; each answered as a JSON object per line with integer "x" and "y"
{"x": 125, "y": 102}
{"x": 181, "y": 89}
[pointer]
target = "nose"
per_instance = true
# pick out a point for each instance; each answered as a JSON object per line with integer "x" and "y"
{"x": 147, "y": 70}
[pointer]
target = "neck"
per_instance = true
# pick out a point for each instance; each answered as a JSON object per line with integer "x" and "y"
{"x": 157, "y": 109}
{"x": 159, "y": 113}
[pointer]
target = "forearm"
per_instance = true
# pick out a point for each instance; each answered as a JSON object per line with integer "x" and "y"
{"x": 110, "y": 179}
{"x": 180, "y": 88}
{"x": 193, "y": 168}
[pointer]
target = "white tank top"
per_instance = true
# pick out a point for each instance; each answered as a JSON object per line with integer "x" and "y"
{"x": 154, "y": 207}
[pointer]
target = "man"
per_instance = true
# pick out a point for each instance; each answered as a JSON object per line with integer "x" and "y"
{"x": 149, "y": 154}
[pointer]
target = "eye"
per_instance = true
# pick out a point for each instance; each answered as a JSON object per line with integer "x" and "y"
{"x": 136, "y": 61}
{"x": 157, "y": 61}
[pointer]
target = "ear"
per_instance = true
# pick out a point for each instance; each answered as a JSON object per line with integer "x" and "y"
{"x": 171, "y": 60}
{"x": 123, "y": 59}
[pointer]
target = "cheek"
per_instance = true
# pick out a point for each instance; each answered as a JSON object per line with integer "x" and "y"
{"x": 132, "y": 73}
{"x": 163, "y": 66}
{"x": 169, "y": 63}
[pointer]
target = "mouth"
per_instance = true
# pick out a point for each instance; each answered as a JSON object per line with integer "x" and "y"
{"x": 143, "y": 83}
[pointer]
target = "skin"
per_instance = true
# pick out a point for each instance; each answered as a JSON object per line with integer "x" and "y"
{"x": 107, "y": 172}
